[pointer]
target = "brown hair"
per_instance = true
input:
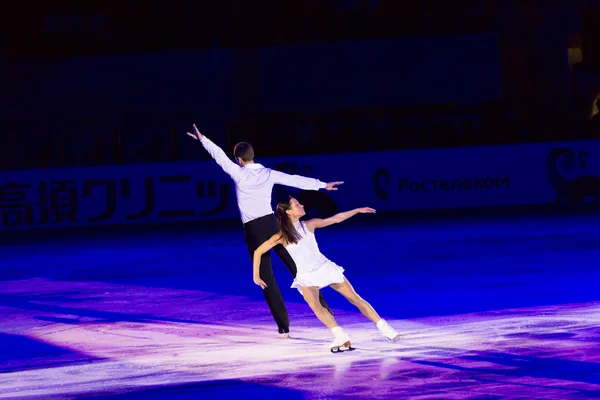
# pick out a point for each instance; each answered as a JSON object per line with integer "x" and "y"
{"x": 244, "y": 151}
{"x": 286, "y": 228}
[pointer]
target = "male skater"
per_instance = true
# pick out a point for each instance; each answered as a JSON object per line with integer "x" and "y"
{"x": 253, "y": 186}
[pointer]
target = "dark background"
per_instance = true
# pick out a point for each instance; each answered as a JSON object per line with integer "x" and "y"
{"x": 97, "y": 83}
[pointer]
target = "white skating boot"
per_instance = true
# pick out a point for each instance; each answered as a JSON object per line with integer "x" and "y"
{"x": 341, "y": 341}
{"x": 387, "y": 330}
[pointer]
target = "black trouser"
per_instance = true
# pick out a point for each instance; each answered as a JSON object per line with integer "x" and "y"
{"x": 257, "y": 232}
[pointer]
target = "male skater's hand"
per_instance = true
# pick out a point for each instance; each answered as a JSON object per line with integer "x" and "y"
{"x": 260, "y": 282}
{"x": 332, "y": 185}
{"x": 196, "y": 135}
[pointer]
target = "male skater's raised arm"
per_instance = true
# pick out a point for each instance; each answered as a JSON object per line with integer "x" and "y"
{"x": 231, "y": 168}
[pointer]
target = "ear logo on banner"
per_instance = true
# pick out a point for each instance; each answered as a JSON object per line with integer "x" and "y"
{"x": 571, "y": 190}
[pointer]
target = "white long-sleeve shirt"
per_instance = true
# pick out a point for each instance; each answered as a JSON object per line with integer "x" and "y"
{"x": 254, "y": 183}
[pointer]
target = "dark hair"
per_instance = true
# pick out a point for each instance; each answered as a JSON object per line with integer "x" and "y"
{"x": 244, "y": 151}
{"x": 286, "y": 228}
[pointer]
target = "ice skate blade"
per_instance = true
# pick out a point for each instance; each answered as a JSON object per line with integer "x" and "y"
{"x": 343, "y": 348}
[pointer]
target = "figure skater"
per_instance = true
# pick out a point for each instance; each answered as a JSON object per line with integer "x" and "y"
{"x": 253, "y": 186}
{"x": 315, "y": 271}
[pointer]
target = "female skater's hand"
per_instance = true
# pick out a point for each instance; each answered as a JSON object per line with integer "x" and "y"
{"x": 196, "y": 135}
{"x": 366, "y": 210}
{"x": 260, "y": 282}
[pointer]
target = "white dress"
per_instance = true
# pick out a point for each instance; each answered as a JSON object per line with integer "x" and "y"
{"x": 314, "y": 269}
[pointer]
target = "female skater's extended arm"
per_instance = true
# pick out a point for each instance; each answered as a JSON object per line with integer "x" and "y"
{"x": 262, "y": 249}
{"x": 337, "y": 218}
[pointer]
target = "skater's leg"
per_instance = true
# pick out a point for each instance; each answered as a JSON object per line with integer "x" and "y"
{"x": 283, "y": 254}
{"x": 273, "y": 295}
{"x": 311, "y": 295}
{"x": 256, "y": 233}
{"x": 346, "y": 290}
{"x": 340, "y": 338}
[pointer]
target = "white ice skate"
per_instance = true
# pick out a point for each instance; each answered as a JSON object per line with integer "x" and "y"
{"x": 387, "y": 330}
{"x": 341, "y": 341}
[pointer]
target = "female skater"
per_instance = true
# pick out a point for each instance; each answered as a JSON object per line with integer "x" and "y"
{"x": 315, "y": 271}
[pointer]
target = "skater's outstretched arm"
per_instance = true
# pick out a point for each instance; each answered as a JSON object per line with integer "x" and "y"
{"x": 337, "y": 218}
{"x": 302, "y": 182}
{"x": 258, "y": 253}
{"x": 231, "y": 168}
